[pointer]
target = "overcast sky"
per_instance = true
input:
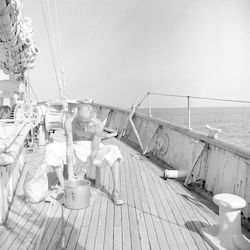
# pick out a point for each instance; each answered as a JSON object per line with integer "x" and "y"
{"x": 114, "y": 50}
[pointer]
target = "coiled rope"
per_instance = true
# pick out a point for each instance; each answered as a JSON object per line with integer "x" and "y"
{"x": 17, "y": 39}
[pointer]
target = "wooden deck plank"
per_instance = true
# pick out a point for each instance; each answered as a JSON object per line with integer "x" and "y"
{"x": 171, "y": 241}
{"x": 117, "y": 237}
{"x": 155, "y": 198}
{"x": 100, "y": 235}
{"x": 32, "y": 233}
{"x": 16, "y": 235}
{"x": 161, "y": 205}
{"x": 57, "y": 236}
{"x": 142, "y": 197}
{"x": 76, "y": 230}
{"x": 153, "y": 201}
{"x": 137, "y": 170}
{"x": 144, "y": 238}
{"x": 157, "y": 224}
{"x": 188, "y": 223}
{"x": 21, "y": 231}
{"x": 70, "y": 225}
{"x": 166, "y": 200}
{"x": 84, "y": 228}
{"x": 126, "y": 238}
{"x": 20, "y": 208}
{"x": 194, "y": 224}
{"x": 90, "y": 243}
{"x": 109, "y": 228}
{"x": 134, "y": 181}
{"x": 135, "y": 238}
{"x": 18, "y": 203}
{"x": 13, "y": 220}
{"x": 179, "y": 211}
{"x": 118, "y": 216}
{"x": 152, "y": 237}
{"x": 53, "y": 223}
{"x": 157, "y": 214}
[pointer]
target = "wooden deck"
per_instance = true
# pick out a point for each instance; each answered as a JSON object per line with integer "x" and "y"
{"x": 157, "y": 214}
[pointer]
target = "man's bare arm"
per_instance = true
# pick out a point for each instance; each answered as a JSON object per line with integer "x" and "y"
{"x": 69, "y": 148}
{"x": 109, "y": 135}
{"x": 95, "y": 145}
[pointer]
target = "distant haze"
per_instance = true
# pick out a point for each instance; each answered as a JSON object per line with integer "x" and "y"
{"x": 114, "y": 50}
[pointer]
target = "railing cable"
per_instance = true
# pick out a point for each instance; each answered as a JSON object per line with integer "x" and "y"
{"x": 197, "y": 97}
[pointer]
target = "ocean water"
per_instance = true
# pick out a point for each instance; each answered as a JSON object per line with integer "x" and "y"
{"x": 234, "y": 122}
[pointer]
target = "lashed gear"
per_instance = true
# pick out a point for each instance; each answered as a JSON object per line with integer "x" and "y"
{"x": 17, "y": 39}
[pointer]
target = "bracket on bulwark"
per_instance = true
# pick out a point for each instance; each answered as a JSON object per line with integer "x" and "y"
{"x": 212, "y": 132}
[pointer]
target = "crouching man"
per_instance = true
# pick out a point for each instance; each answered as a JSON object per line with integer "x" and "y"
{"x": 83, "y": 145}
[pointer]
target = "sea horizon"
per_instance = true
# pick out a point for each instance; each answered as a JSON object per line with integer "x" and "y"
{"x": 233, "y": 121}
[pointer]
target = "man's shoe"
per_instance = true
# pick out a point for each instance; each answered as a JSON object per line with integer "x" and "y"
{"x": 117, "y": 199}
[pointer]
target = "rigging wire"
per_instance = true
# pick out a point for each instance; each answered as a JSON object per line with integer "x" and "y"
{"x": 30, "y": 87}
{"x": 58, "y": 33}
{"x": 33, "y": 92}
{"x": 28, "y": 84}
{"x": 53, "y": 39}
{"x": 51, "y": 49}
{"x": 60, "y": 50}
{"x": 142, "y": 100}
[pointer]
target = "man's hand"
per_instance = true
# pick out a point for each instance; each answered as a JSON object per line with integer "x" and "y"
{"x": 87, "y": 164}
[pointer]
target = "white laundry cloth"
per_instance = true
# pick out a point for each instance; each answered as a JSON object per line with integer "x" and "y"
{"x": 106, "y": 156}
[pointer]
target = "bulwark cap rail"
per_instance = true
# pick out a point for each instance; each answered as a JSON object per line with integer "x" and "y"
{"x": 188, "y": 102}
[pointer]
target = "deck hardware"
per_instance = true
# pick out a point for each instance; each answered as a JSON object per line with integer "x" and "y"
{"x": 212, "y": 132}
{"x": 152, "y": 136}
{"x": 159, "y": 144}
{"x": 198, "y": 156}
{"x": 227, "y": 235}
{"x": 175, "y": 173}
{"x": 129, "y": 118}
{"x": 195, "y": 141}
{"x": 162, "y": 144}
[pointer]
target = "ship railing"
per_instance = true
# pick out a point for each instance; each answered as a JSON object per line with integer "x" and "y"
{"x": 12, "y": 136}
{"x": 11, "y": 160}
{"x": 14, "y": 133}
{"x": 188, "y": 98}
{"x": 215, "y": 165}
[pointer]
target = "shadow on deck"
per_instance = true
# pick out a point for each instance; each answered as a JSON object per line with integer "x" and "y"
{"x": 157, "y": 214}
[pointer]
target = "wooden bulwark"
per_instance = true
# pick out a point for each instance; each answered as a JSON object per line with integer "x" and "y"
{"x": 157, "y": 214}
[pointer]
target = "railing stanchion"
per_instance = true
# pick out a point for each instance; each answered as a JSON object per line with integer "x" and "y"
{"x": 149, "y": 105}
{"x": 189, "y": 122}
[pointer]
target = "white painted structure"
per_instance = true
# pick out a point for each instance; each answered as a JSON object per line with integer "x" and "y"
{"x": 223, "y": 166}
{"x": 227, "y": 235}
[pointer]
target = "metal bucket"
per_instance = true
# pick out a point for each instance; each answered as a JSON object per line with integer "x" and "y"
{"x": 76, "y": 194}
